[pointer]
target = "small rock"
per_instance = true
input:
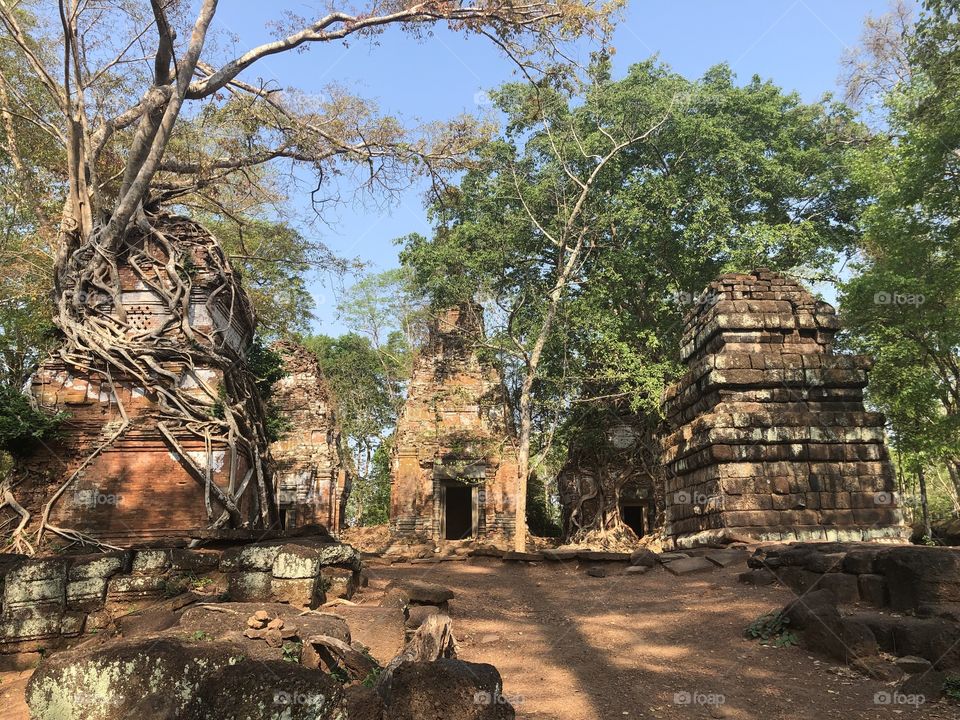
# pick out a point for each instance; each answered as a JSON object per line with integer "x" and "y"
{"x": 637, "y": 569}
{"x": 758, "y": 576}
{"x": 262, "y": 615}
{"x": 254, "y": 623}
{"x": 489, "y": 639}
{"x": 929, "y": 684}
{"x": 686, "y": 566}
{"x": 911, "y": 664}
{"x": 273, "y": 637}
{"x": 597, "y": 571}
{"x": 275, "y": 624}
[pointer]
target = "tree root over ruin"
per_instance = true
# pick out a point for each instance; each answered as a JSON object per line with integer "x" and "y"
{"x": 177, "y": 263}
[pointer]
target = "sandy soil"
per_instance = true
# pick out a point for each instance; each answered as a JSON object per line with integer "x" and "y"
{"x": 573, "y": 647}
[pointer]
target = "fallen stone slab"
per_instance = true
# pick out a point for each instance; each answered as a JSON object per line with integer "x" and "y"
{"x": 725, "y": 558}
{"x": 514, "y": 556}
{"x": 637, "y": 570}
{"x": 603, "y": 556}
{"x": 643, "y": 557}
{"x": 420, "y": 592}
{"x": 688, "y": 566}
{"x": 559, "y": 555}
{"x": 671, "y": 556}
{"x": 911, "y": 664}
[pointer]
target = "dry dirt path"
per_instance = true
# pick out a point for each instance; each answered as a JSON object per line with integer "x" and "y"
{"x": 573, "y": 647}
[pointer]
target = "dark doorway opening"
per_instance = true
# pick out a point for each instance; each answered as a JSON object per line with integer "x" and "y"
{"x": 458, "y": 512}
{"x": 633, "y": 517}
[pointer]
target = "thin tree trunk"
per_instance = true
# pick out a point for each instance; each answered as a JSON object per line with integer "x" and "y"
{"x": 922, "y": 480}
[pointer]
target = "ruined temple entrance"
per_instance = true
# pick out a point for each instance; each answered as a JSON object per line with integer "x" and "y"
{"x": 632, "y": 516}
{"x": 458, "y": 511}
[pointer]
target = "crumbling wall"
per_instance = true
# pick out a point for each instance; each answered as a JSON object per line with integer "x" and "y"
{"x": 49, "y": 602}
{"x": 454, "y": 428}
{"x": 311, "y": 469}
{"x": 137, "y": 486}
{"x": 767, "y": 436}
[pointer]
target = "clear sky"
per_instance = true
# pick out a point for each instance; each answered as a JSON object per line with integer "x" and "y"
{"x": 796, "y": 43}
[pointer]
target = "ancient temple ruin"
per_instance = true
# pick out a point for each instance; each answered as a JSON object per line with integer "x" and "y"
{"x": 454, "y": 464}
{"x": 127, "y": 466}
{"x": 608, "y": 482}
{"x": 311, "y": 468}
{"x": 768, "y": 437}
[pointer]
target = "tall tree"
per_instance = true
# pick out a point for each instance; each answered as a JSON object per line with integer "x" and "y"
{"x": 148, "y": 112}
{"x": 592, "y": 225}
{"x": 903, "y": 304}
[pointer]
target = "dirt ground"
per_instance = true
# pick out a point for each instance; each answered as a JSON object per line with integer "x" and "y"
{"x": 574, "y": 647}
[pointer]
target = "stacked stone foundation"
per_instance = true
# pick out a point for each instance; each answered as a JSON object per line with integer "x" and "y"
{"x": 768, "y": 438}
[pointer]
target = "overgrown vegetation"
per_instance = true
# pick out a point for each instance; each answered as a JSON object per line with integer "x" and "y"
{"x": 772, "y": 628}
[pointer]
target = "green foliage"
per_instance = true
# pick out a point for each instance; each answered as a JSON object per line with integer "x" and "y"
{"x": 367, "y": 383}
{"x": 371, "y": 679}
{"x": 275, "y": 261}
{"x": 772, "y": 629}
{"x": 22, "y": 426}
{"x": 266, "y": 366}
{"x": 199, "y": 636}
{"x": 902, "y": 306}
{"x": 543, "y": 517}
{"x": 292, "y": 651}
{"x": 951, "y": 687}
{"x": 369, "y": 501}
{"x": 340, "y": 675}
{"x": 725, "y": 177}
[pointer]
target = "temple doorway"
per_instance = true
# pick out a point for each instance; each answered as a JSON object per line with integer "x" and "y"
{"x": 458, "y": 512}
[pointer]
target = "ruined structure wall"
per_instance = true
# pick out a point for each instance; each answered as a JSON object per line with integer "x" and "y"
{"x": 454, "y": 428}
{"x": 768, "y": 436}
{"x": 312, "y": 473}
{"x": 137, "y": 488}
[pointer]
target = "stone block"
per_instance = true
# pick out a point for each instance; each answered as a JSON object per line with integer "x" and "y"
{"x": 250, "y": 586}
{"x": 873, "y": 590}
{"x": 96, "y": 566}
{"x": 339, "y": 582}
{"x": 301, "y": 592}
{"x": 151, "y": 561}
{"x": 843, "y": 586}
{"x": 200, "y": 561}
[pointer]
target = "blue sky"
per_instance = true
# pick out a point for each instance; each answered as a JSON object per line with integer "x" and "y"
{"x": 796, "y": 43}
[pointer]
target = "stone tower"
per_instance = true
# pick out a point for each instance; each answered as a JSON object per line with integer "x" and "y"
{"x": 768, "y": 437}
{"x": 311, "y": 470}
{"x": 454, "y": 462}
{"x": 158, "y": 478}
